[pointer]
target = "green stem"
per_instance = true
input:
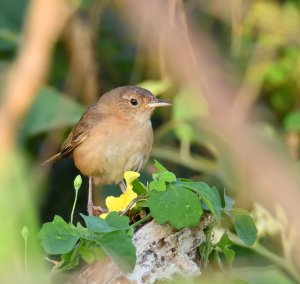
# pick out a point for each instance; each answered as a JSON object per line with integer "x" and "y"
{"x": 287, "y": 265}
{"x": 26, "y": 255}
{"x": 74, "y": 204}
{"x": 194, "y": 162}
{"x": 208, "y": 242}
{"x": 144, "y": 219}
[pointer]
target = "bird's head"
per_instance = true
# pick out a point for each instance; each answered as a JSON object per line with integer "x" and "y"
{"x": 131, "y": 101}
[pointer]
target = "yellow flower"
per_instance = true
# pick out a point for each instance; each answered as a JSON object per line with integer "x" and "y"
{"x": 120, "y": 203}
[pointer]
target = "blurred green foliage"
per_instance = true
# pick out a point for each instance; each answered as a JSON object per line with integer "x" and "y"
{"x": 263, "y": 57}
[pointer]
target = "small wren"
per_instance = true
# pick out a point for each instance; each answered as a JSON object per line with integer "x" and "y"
{"x": 113, "y": 136}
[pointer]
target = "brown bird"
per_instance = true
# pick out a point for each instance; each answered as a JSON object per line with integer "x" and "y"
{"x": 113, "y": 136}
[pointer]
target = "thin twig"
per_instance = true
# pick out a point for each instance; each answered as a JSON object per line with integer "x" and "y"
{"x": 132, "y": 202}
{"x": 287, "y": 265}
{"x": 146, "y": 218}
{"x": 194, "y": 162}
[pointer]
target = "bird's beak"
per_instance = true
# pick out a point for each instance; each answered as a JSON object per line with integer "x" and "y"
{"x": 158, "y": 103}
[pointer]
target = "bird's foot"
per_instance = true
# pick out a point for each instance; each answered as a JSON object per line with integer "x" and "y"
{"x": 98, "y": 210}
{"x": 95, "y": 210}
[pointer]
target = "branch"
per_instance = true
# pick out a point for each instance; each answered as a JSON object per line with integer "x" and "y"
{"x": 162, "y": 253}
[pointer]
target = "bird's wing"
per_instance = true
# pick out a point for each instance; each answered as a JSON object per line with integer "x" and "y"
{"x": 80, "y": 131}
{"x": 75, "y": 138}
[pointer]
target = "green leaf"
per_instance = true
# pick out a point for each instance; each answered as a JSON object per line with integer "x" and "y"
{"x": 142, "y": 203}
{"x": 244, "y": 226}
{"x": 51, "y": 110}
{"x": 156, "y": 87}
{"x": 158, "y": 185}
{"x": 118, "y": 222}
{"x": 70, "y": 260}
{"x": 292, "y": 121}
{"x": 87, "y": 254}
{"x": 161, "y": 178}
{"x": 229, "y": 202}
{"x": 217, "y": 194}
{"x": 209, "y": 196}
{"x": 58, "y": 237}
{"x": 159, "y": 166}
{"x": 166, "y": 176}
{"x": 113, "y": 222}
{"x": 119, "y": 247}
{"x": 138, "y": 187}
{"x": 217, "y": 260}
{"x": 224, "y": 245}
{"x": 176, "y": 205}
{"x": 98, "y": 252}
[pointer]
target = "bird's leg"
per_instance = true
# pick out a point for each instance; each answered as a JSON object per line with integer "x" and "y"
{"x": 93, "y": 210}
{"x": 90, "y": 204}
{"x": 122, "y": 186}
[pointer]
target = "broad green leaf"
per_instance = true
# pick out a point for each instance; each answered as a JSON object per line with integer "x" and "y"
{"x": 209, "y": 196}
{"x": 161, "y": 178}
{"x": 81, "y": 231}
{"x": 176, "y": 205}
{"x": 117, "y": 221}
{"x": 58, "y": 237}
{"x": 292, "y": 121}
{"x": 165, "y": 176}
{"x": 96, "y": 224}
{"x": 217, "y": 194}
{"x": 224, "y": 245}
{"x": 244, "y": 226}
{"x": 156, "y": 87}
{"x": 87, "y": 254}
{"x": 142, "y": 203}
{"x": 70, "y": 261}
{"x": 98, "y": 252}
{"x": 113, "y": 222}
{"x": 51, "y": 110}
{"x": 158, "y": 185}
{"x": 138, "y": 187}
{"x": 159, "y": 166}
{"x": 119, "y": 247}
{"x": 229, "y": 202}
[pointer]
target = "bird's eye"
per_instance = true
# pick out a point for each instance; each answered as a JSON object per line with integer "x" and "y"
{"x": 134, "y": 102}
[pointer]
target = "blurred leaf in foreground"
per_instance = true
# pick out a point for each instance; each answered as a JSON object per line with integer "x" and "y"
{"x": 51, "y": 110}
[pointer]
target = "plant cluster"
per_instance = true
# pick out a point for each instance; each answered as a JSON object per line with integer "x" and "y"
{"x": 167, "y": 199}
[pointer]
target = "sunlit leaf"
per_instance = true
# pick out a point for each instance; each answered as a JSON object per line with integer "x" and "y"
{"x": 51, "y": 110}
{"x": 209, "y": 196}
{"x": 244, "y": 226}
{"x": 176, "y": 205}
{"x": 57, "y": 237}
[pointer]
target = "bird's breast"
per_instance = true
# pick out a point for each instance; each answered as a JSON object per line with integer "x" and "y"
{"x": 113, "y": 148}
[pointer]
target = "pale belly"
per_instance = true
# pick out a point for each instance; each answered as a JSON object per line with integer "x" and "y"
{"x": 106, "y": 156}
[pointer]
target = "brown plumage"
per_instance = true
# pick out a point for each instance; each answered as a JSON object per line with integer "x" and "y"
{"x": 113, "y": 136}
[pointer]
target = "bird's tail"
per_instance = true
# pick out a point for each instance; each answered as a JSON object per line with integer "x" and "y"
{"x": 52, "y": 159}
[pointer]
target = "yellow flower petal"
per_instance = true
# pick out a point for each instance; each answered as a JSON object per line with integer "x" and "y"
{"x": 103, "y": 215}
{"x": 129, "y": 177}
{"x": 120, "y": 203}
